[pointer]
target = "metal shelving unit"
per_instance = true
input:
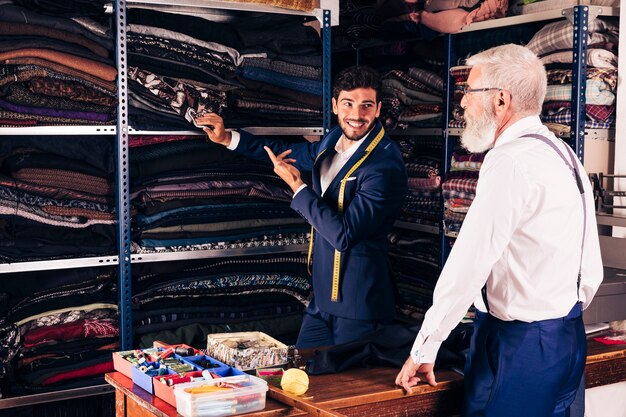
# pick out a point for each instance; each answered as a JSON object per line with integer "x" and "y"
{"x": 327, "y": 14}
{"x": 579, "y": 16}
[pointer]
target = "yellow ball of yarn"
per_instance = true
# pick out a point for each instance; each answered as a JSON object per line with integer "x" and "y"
{"x": 295, "y": 381}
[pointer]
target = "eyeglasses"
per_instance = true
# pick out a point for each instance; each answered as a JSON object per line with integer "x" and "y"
{"x": 467, "y": 90}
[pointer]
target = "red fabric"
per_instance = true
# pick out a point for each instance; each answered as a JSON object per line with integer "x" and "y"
{"x": 70, "y": 331}
{"x": 99, "y": 369}
{"x": 609, "y": 341}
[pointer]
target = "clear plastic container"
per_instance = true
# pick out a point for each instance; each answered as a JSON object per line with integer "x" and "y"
{"x": 247, "y": 395}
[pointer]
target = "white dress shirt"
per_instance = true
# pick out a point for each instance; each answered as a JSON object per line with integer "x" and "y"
{"x": 522, "y": 235}
{"x": 330, "y": 166}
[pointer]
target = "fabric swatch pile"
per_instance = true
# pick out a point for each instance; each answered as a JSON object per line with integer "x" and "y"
{"x": 414, "y": 260}
{"x": 56, "y": 68}
{"x": 553, "y": 44}
{"x": 411, "y": 98}
{"x": 56, "y": 197}
{"x": 184, "y": 301}
{"x": 67, "y": 323}
{"x": 190, "y": 194}
{"x": 422, "y": 157}
{"x": 258, "y": 70}
{"x": 459, "y": 189}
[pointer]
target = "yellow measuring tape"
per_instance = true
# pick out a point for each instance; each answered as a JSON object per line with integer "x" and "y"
{"x": 342, "y": 188}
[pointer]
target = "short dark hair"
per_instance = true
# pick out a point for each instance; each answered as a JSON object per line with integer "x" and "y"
{"x": 357, "y": 76}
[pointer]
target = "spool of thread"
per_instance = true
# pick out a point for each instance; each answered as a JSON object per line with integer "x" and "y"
{"x": 295, "y": 381}
{"x": 184, "y": 351}
{"x": 206, "y": 374}
{"x": 167, "y": 352}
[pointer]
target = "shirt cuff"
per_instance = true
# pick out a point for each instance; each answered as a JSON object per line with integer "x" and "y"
{"x": 234, "y": 140}
{"x": 424, "y": 351}
{"x": 300, "y": 188}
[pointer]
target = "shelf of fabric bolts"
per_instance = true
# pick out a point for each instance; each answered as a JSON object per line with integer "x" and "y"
{"x": 215, "y": 8}
{"x": 597, "y": 134}
{"x": 594, "y": 11}
{"x": 163, "y": 256}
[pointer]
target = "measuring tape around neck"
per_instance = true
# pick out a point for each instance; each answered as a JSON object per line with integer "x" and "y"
{"x": 337, "y": 258}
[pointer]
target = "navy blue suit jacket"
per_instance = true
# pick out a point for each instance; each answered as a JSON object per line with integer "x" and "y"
{"x": 373, "y": 196}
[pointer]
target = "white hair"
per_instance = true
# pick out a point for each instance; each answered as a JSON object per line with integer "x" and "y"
{"x": 516, "y": 69}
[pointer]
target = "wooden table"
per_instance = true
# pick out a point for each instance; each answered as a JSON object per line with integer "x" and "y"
{"x": 370, "y": 392}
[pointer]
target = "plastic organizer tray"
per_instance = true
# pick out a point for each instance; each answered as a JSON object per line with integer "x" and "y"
{"x": 249, "y": 396}
{"x": 166, "y": 392}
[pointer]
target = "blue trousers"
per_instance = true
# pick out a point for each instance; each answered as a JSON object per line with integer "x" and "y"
{"x": 323, "y": 329}
{"x": 524, "y": 369}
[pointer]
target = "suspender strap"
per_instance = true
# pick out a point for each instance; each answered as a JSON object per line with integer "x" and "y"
{"x": 573, "y": 166}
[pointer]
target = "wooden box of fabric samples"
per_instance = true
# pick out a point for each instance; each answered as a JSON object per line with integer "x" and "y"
{"x": 221, "y": 396}
{"x": 247, "y": 350}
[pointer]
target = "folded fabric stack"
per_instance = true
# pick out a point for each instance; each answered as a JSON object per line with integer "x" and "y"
{"x": 67, "y": 323}
{"x": 422, "y": 159}
{"x": 190, "y": 194}
{"x": 55, "y": 70}
{"x": 53, "y": 205}
{"x": 262, "y": 70}
{"x": 363, "y": 20}
{"x": 459, "y": 76}
{"x": 553, "y": 44}
{"x": 459, "y": 189}
{"x": 411, "y": 98}
{"x": 185, "y": 301}
{"x": 414, "y": 260}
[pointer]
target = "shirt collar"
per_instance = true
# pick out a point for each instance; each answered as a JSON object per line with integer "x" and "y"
{"x": 517, "y": 129}
{"x": 348, "y": 153}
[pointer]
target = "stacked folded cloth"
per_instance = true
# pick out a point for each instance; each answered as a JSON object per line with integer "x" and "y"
{"x": 411, "y": 98}
{"x": 414, "y": 260}
{"x": 188, "y": 194}
{"x": 459, "y": 189}
{"x": 186, "y": 301}
{"x": 53, "y": 205}
{"x": 263, "y": 70}
{"x": 421, "y": 156}
{"x": 55, "y": 70}
{"x": 553, "y": 44}
{"x": 67, "y": 324}
{"x": 459, "y": 75}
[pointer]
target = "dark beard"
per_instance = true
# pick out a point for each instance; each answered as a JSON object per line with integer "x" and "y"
{"x": 356, "y": 139}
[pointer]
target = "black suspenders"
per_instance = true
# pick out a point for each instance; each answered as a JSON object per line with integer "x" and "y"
{"x": 573, "y": 166}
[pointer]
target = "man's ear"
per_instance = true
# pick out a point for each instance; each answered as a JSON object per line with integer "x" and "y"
{"x": 334, "y": 102}
{"x": 502, "y": 101}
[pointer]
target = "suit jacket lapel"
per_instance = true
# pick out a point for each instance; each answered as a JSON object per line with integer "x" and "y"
{"x": 334, "y": 184}
{"x": 327, "y": 150}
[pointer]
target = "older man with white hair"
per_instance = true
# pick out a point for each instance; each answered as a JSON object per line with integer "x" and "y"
{"x": 527, "y": 255}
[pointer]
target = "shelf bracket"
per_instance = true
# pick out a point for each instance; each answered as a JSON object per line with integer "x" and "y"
{"x": 592, "y": 13}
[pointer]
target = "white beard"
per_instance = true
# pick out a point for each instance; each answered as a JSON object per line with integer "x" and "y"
{"x": 480, "y": 133}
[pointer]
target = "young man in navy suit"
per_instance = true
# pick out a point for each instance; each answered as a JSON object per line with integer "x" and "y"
{"x": 359, "y": 182}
